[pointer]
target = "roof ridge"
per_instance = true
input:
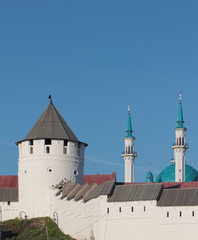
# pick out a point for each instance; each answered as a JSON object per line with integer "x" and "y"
{"x": 52, "y": 115}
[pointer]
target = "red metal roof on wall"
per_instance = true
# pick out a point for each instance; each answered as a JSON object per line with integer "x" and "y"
{"x": 9, "y": 181}
{"x": 99, "y": 179}
{"x": 180, "y": 185}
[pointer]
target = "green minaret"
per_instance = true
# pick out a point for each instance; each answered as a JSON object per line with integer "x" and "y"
{"x": 129, "y": 155}
{"x": 180, "y": 146}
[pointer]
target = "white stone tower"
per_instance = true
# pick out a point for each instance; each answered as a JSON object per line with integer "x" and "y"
{"x": 48, "y": 154}
{"x": 180, "y": 147}
{"x": 129, "y": 155}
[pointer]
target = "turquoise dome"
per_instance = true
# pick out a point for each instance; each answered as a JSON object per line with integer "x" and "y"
{"x": 149, "y": 177}
{"x": 168, "y": 174}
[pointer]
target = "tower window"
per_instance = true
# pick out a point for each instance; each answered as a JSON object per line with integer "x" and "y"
{"x": 177, "y": 141}
{"x": 132, "y": 209}
{"x": 180, "y": 141}
{"x": 48, "y": 141}
{"x": 180, "y": 213}
{"x": 65, "y": 142}
{"x": 128, "y": 149}
{"x": 107, "y": 210}
{"x": 8, "y": 203}
{"x": 167, "y": 214}
{"x": 120, "y": 210}
{"x": 31, "y": 142}
{"x": 49, "y": 170}
{"x": 31, "y": 150}
{"x": 64, "y": 150}
{"x": 47, "y": 150}
{"x": 193, "y": 213}
{"x": 144, "y": 208}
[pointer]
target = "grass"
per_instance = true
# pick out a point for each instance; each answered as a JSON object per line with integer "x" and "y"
{"x": 32, "y": 229}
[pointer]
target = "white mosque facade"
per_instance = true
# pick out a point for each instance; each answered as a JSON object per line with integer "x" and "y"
{"x": 51, "y": 182}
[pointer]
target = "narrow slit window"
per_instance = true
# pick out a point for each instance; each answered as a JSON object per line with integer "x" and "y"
{"x": 31, "y": 150}
{"x": 107, "y": 210}
{"x": 180, "y": 213}
{"x": 132, "y": 209}
{"x": 131, "y": 149}
{"x": 47, "y": 149}
{"x": 167, "y": 214}
{"x": 120, "y": 210}
{"x": 193, "y": 213}
{"x": 64, "y": 150}
{"x": 144, "y": 208}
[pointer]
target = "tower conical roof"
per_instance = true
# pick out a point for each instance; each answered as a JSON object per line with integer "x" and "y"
{"x": 51, "y": 125}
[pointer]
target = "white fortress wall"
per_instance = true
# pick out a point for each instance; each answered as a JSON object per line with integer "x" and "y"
{"x": 125, "y": 220}
{"x": 78, "y": 218}
{"x": 10, "y": 210}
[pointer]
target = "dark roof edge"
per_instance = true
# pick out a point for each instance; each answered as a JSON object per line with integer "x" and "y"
{"x": 52, "y": 139}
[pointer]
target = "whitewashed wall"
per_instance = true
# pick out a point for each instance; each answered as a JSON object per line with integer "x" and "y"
{"x": 9, "y": 211}
{"x": 39, "y": 170}
{"x": 147, "y": 221}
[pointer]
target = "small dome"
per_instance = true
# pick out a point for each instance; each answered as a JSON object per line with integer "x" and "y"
{"x": 168, "y": 174}
{"x": 149, "y": 176}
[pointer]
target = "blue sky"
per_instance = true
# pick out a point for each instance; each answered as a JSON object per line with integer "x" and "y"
{"x": 95, "y": 57}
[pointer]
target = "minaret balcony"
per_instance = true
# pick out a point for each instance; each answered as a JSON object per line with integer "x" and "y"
{"x": 180, "y": 146}
{"x": 134, "y": 154}
{"x": 172, "y": 160}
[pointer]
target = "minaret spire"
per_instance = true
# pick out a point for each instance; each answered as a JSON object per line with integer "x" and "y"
{"x": 129, "y": 155}
{"x": 129, "y": 125}
{"x": 180, "y": 97}
{"x": 180, "y": 146}
{"x": 180, "y": 120}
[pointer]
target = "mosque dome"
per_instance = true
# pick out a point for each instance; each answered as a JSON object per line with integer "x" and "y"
{"x": 168, "y": 174}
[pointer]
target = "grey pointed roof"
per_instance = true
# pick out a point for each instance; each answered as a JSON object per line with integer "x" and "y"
{"x": 51, "y": 125}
